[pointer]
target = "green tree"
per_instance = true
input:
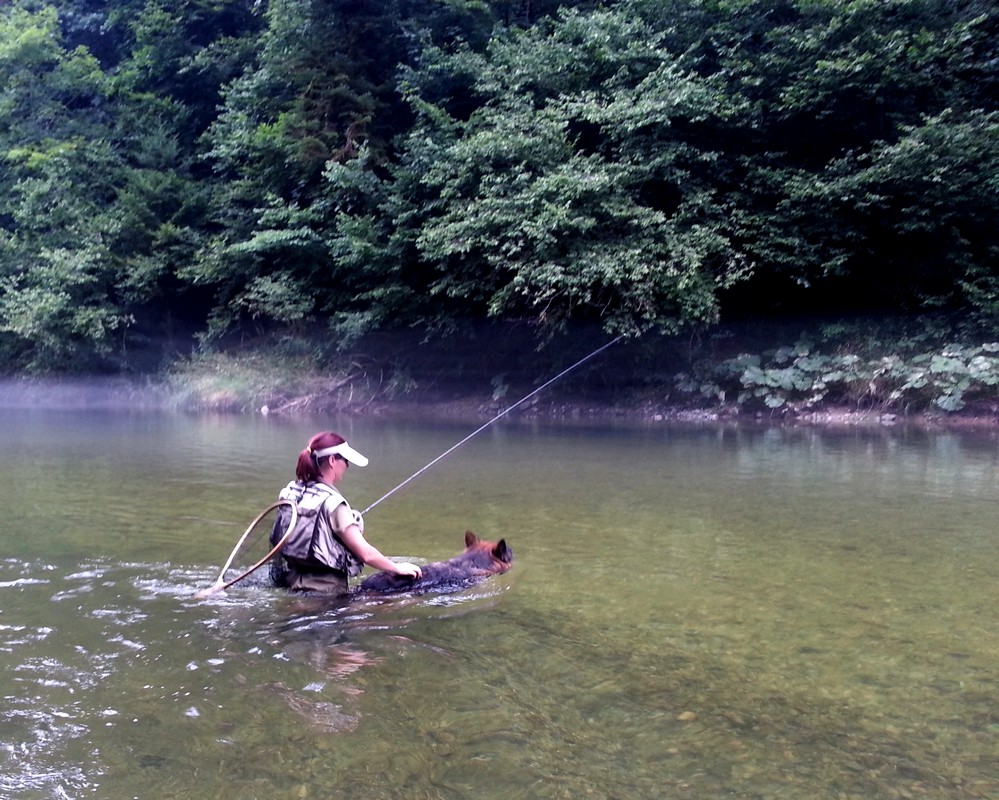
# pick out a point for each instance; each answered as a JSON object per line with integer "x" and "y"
{"x": 321, "y": 94}
{"x": 99, "y": 203}
{"x": 320, "y": 86}
{"x": 650, "y": 164}
{"x": 56, "y": 277}
{"x": 833, "y": 96}
{"x": 167, "y": 85}
{"x": 913, "y": 220}
{"x": 558, "y": 176}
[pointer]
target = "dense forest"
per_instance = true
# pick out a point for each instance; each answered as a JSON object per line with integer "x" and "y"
{"x": 173, "y": 169}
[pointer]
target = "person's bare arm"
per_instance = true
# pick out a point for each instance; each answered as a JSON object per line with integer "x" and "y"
{"x": 353, "y": 537}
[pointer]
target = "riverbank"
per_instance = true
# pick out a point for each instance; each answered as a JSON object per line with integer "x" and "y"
{"x": 480, "y": 409}
{"x": 922, "y": 373}
{"x": 473, "y": 408}
{"x": 834, "y": 375}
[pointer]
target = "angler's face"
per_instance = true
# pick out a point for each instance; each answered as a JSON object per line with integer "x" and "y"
{"x": 338, "y": 466}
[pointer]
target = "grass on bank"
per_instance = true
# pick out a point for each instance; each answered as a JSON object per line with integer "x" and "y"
{"x": 283, "y": 380}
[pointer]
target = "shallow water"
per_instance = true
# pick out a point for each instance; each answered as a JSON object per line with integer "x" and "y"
{"x": 693, "y": 613}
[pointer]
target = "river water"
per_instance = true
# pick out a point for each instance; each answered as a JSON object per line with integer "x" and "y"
{"x": 693, "y": 612}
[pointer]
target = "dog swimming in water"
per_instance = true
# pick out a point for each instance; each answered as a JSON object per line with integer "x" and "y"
{"x": 479, "y": 560}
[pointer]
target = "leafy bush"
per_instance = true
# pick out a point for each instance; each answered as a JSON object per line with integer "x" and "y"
{"x": 800, "y": 377}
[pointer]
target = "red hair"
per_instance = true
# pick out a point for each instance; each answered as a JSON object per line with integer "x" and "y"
{"x": 307, "y": 468}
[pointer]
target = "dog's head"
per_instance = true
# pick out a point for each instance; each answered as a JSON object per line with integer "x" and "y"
{"x": 492, "y": 556}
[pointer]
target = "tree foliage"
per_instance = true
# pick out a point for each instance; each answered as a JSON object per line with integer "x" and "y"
{"x": 56, "y": 276}
{"x": 361, "y": 164}
{"x": 561, "y": 187}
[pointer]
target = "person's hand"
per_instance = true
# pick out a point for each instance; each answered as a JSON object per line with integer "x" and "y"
{"x": 408, "y": 570}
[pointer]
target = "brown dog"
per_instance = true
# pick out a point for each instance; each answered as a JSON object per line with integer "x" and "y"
{"x": 479, "y": 560}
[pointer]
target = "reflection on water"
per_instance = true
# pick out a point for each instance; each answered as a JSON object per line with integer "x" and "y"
{"x": 693, "y": 613}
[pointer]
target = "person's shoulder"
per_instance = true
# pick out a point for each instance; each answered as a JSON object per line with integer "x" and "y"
{"x": 309, "y": 493}
{"x": 324, "y": 493}
{"x": 292, "y": 491}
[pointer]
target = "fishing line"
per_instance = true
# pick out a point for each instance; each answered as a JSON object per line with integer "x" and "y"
{"x": 502, "y": 413}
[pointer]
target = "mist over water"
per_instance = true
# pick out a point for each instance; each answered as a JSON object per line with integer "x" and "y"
{"x": 81, "y": 394}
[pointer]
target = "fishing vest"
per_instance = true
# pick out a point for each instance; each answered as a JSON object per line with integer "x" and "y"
{"x": 313, "y": 545}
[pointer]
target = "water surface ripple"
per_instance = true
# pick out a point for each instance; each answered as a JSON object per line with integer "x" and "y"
{"x": 693, "y": 613}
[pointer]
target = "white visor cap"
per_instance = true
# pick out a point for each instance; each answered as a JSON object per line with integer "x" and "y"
{"x": 344, "y": 450}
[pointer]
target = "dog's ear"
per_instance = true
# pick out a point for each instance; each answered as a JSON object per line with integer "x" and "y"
{"x": 502, "y": 552}
{"x": 470, "y": 539}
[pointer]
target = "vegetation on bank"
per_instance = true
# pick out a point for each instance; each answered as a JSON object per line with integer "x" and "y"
{"x": 175, "y": 172}
{"x": 898, "y": 368}
{"x": 289, "y": 377}
{"x": 802, "y": 377}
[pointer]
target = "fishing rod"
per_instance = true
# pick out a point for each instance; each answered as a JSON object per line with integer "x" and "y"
{"x": 502, "y": 413}
{"x": 221, "y": 584}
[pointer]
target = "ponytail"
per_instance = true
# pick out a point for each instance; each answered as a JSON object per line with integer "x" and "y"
{"x": 307, "y": 468}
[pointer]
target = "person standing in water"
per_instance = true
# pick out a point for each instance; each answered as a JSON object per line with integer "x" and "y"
{"x": 327, "y": 545}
